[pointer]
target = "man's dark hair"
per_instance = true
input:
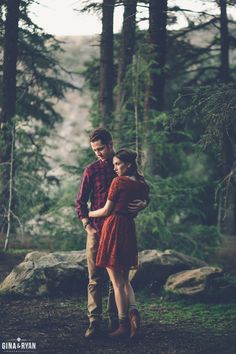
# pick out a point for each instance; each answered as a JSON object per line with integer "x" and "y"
{"x": 100, "y": 134}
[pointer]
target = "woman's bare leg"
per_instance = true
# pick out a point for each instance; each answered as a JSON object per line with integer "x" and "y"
{"x": 118, "y": 282}
{"x": 129, "y": 291}
{"x": 134, "y": 316}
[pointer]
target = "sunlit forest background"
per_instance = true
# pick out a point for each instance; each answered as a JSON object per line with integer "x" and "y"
{"x": 168, "y": 93}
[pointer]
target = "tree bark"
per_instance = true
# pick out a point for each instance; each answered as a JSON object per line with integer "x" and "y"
{"x": 157, "y": 35}
{"x": 228, "y": 195}
{"x": 224, "y": 42}
{"x": 8, "y": 103}
{"x": 155, "y": 90}
{"x": 126, "y": 50}
{"x": 106, "y": 63}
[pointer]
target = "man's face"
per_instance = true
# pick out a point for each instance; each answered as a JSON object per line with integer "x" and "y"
{"x": 102, "y": 151}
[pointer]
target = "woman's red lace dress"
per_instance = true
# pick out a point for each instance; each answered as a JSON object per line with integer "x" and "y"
{"x": 118, "y": 244}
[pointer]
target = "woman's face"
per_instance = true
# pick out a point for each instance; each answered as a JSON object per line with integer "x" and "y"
{"x": 120, "y": 167}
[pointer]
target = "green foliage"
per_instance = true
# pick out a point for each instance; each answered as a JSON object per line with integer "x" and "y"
{"x": 40, "y": 81}
{"x": 212, "y": 113}
{"x": 173, "y": 219}
{"x": 56, "y": 227}
{"x": 213, "y": 107}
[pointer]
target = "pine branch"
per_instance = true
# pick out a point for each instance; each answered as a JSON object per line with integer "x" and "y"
{"x": 179, "y": 9}
{"x": 195, "y": 28}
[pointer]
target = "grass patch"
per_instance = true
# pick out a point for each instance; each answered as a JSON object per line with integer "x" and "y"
{"x": 18, "y": 251}
{"x": 217, "y": 317}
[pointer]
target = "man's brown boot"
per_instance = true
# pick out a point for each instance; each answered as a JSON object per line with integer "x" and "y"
{"x": 93, "y": 331}
{"x": 134, "y": 320}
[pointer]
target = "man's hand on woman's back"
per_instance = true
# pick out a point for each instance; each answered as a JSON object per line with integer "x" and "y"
{"x": 136, "y": 206}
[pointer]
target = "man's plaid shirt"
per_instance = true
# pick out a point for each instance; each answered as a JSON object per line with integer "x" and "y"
{"x": 94, "y": 187}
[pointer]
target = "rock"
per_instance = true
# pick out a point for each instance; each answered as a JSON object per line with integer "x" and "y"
{"x": 54, "y": 273}
{"x": 34, "y": 256}
{"x": 47, "y": 274}
{"x": 193, "y": 283}
{"x": 74, "y": 256}
{"x": 156, "y": 266}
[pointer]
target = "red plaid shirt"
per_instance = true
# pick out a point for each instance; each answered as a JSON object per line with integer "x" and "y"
{"x": 94, "y": 187}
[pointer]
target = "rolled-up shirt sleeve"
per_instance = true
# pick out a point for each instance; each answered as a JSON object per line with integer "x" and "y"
{"x": 83, "y": 196}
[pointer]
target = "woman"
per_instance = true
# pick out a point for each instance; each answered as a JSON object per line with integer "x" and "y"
{"x": 117, "y": 250}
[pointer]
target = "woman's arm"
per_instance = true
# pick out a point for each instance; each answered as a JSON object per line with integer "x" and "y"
{"x": 105, "y": 211}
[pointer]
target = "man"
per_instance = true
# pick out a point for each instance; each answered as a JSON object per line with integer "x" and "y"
{"x": 94, "y": 187}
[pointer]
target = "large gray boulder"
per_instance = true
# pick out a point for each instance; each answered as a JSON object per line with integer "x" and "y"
{"x": 47, "y": 274}
{"x": 156, "y": 266}
{"x": 43, "y": 273}
{"x": 194, "y": 283}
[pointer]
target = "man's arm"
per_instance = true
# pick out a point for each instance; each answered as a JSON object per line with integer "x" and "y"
{"x": 137, "y": 205}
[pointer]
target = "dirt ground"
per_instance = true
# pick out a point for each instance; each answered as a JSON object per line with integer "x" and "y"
{"x": 57, "y": 325}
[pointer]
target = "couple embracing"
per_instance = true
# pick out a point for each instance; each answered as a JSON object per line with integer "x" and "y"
{"x": 116, "y": 192}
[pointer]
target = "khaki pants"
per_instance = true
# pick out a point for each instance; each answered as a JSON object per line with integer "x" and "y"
{"x": 96, "y": 277}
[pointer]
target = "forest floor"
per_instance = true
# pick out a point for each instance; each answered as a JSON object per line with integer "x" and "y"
{"x": 57, "y": 325}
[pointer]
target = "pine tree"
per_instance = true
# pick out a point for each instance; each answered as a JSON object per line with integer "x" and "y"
{"x": 39, "y": 81}
{"x": 106, "y": 63}
{"x": 127, "y": 48}
{"x": 7, "y": 140}
{"x": 228, "y": 194}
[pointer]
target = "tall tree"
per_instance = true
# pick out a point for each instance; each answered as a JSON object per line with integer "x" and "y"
{"x": 8, "y": 108}
{"x": 224, "y": 42}
{"x": 127, "y": 48}
{"x": 228, "y": 195}
{"x": 106, "y": 63}
{"x": 39, "y": 80}
{"x": 157, "y": 34}
{"x": 156, "y": 86}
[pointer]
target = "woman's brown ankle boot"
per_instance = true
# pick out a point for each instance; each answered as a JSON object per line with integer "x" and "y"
{"x": 122, "y": 330}
{"x": 134, "y": 320}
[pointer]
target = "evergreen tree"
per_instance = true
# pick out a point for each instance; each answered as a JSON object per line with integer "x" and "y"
{"x": 39, "y": 82}
{"x": 228, "y": 193}
{"x": 7, "y": 139}
{"x": 158, "y": 36}
{"x": 106, "y": 63}
{"x": 127, "y": 48}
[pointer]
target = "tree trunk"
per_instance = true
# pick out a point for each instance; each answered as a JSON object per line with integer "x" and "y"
{"x": 106, "y": 63}
{"x": 126, "y": 50}
{"x": 8, "y": 104}
{"x": 228, "y": 196}
{"x": 224, "y": 42}
{"x": 157, "y": 35}
{"x": 155, "y": 91}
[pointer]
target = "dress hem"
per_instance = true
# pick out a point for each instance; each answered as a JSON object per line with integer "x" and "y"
{"x": 113, "y": 266}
